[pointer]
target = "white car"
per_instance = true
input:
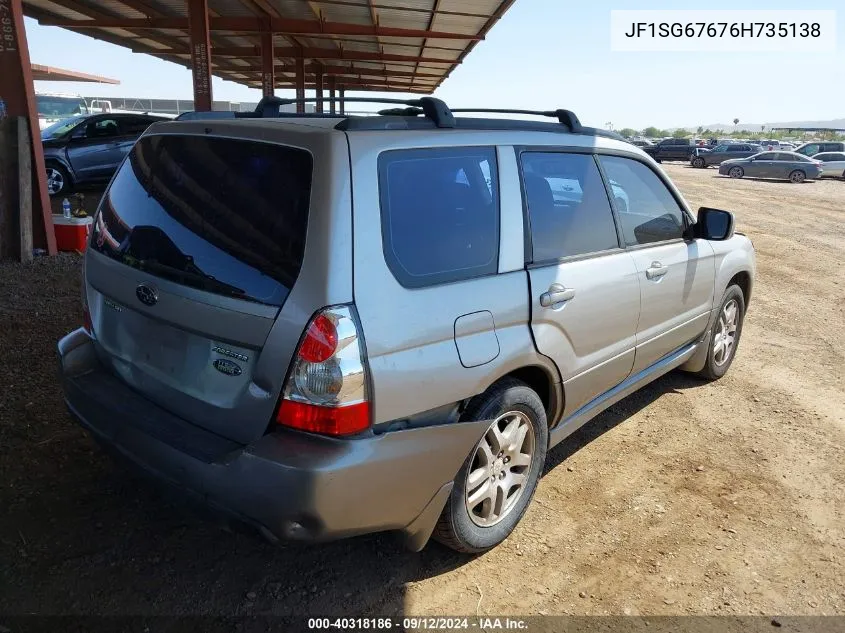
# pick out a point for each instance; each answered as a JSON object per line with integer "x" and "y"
{"x": 833, "y": 164}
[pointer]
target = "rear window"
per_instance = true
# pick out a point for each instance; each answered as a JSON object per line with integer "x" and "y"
{"x": 223, "y": 215}
{"x": 439, "y": 214}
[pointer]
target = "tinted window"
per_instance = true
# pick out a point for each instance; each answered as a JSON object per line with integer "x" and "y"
{"x": 440, "y": 214}
{"x": 228, "y": 216}
{"x": 52, "y": 107}
{"x": 832, "y": 147}
{"x": 102, "y": 128}
{"x": 736, "y": 148}
{"x": 809, "y": 150}
{"x": 136, "y": 124}
{"x": 568, "y": 207}
{"x": 765, "y": 156}
{"x": 791, "y": 157}
{"x": 652, "y": 213}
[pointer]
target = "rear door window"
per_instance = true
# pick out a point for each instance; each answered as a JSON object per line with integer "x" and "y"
{"x": 439, "y": 214}
{"x": 223, "y": 215}
{"x": 568, "y": 208}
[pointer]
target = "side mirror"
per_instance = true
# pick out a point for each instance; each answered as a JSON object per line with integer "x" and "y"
{"x": 714, "y": 224}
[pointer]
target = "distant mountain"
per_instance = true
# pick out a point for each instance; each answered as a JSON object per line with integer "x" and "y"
{"x": 757, "y": 127}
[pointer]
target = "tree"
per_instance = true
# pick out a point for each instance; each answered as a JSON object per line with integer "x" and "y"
{"x": 628, "y": 132}
{"x": 736, "y": 121}
{"x": 651, "y": 132}
{"x": 680, "y": 133}
{"x": 700, "y": 130}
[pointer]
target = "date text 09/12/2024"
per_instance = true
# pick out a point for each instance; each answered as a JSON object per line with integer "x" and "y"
{"x": 420, "y": 623}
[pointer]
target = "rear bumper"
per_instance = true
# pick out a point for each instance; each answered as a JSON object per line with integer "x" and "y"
{"x": 289, "y": 485}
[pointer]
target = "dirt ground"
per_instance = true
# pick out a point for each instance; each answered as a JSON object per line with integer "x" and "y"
{"x": 686, "y": 498}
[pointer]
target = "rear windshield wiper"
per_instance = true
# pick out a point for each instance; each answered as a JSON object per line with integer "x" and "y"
{"x": 190, "y": 278}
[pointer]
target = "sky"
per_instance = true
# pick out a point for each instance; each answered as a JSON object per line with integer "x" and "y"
{"x": 546, "y": 54}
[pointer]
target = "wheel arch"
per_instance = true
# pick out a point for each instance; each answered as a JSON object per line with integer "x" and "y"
{"x": 63, "y": 163}
{"x": 544, "y": 383}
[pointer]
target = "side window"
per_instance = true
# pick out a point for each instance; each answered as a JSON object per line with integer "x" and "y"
{"x": 786, "y": 157}
{"x": 735, "y": 148}
{"x": 568, "y": 207}
{"x": 812, "y": 149}
{"x": 765, "y": 156}
{"x": 439, "y": 214}
{"x": 103, "y": 128}
{"x": 651, "y": 213}
{"x": 135, "y": 124}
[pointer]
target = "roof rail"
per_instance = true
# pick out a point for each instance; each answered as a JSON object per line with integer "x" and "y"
{"x": 432, "y": 108}
{"x": 566, "y": 117}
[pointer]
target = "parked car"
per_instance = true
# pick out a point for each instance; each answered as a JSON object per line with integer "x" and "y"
{"x": 817, "y": 147}
{"x": 321, "y": 375}
{"x": 704, "y": 157}
{"x": 783, "y": 165}
{"x": 88, "y": 148}
{"x": 641, "y": 142}
{"x": 833, "y": 164}
{"x": 671, "y": 149}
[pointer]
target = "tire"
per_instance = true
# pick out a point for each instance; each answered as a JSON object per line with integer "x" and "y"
{"x": 659, "y": 160}
{"x": 699, "y": 162}
{"x": 797, "y": 176}
{"x": 717, "y": 364}
{"x": 736, "y": 172}
{"x": 472, "y": 525}
{"x": 58, "y": 179}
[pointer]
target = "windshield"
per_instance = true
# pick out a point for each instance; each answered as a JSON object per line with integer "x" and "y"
{"x": 60, "y": 128}
{"x": 60, "y": 107}
{"x": 223, "y": 215}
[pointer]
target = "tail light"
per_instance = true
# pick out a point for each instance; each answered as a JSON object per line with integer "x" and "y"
{"x": 326, "y": 390}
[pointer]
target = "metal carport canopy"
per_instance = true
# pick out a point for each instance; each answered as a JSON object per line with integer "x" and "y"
{"x": 383, "y": 45}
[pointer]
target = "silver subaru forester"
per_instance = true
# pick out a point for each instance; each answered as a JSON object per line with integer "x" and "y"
{"x": 326, "y": 326}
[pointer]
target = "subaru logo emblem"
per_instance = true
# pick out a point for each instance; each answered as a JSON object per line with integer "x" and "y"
{"x": 146, "y": 295}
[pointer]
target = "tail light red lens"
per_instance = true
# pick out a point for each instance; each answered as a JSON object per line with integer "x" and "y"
{"x": 320, "y": 340}
{"x": 327, "y": 420}
{"x": 326, "y": 388}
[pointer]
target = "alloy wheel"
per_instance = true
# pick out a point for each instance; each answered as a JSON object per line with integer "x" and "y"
{"x": 498, "y": 474}
{"x": 723, "y": 344}
{"x": 55, "y": 181}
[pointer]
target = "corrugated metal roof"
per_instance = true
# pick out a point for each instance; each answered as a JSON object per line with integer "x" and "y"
{"x": 411, "y": 45}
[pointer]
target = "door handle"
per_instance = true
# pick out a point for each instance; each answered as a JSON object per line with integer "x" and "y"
{"x": 556, "y": 294}
{"x": 656, "y": 270}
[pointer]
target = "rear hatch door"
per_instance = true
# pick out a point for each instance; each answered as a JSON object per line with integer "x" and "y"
{"x": 196, "y": 247}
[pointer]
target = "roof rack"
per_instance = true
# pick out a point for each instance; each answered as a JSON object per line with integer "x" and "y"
{"x": 433, "y": 112}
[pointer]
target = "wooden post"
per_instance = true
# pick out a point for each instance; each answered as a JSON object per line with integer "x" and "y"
{"x": 24, "y": 191}
{"x": 17, "y": 91}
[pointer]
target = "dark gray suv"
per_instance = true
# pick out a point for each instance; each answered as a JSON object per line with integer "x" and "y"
{"x": 715, "y": 156}
{"x": 88, "y": 148}
{"x": 327, "y": 326}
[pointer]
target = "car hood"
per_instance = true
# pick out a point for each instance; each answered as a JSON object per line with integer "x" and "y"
{"x": 734, "y": 160}
{"x": 52, "y": 142}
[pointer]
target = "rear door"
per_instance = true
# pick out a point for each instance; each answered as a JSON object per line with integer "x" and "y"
{"x": 585, "y": 297}
{"x": 676, "y": 277}
{"x": 94, "y": 148}
{"x": 198, "y": 243}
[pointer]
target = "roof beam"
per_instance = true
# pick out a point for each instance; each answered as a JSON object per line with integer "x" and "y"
{"x": 282, "y": 26}
{"x": 318, "y": 53}
{"x": 327, "y": 70}
{"x": 375, "y": 5}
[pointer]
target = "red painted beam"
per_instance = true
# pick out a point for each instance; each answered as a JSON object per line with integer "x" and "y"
{"x": 268, "y": 67}
{"x": 318, "y": 80}
{"x": 200, "y": 54}
{"x": 246, "y": 24}
{"x": 18, "y": 92}
{"x": 300, "y": 83}
{"x": 339, "y": 71}
{"x": 320, "y": 53}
